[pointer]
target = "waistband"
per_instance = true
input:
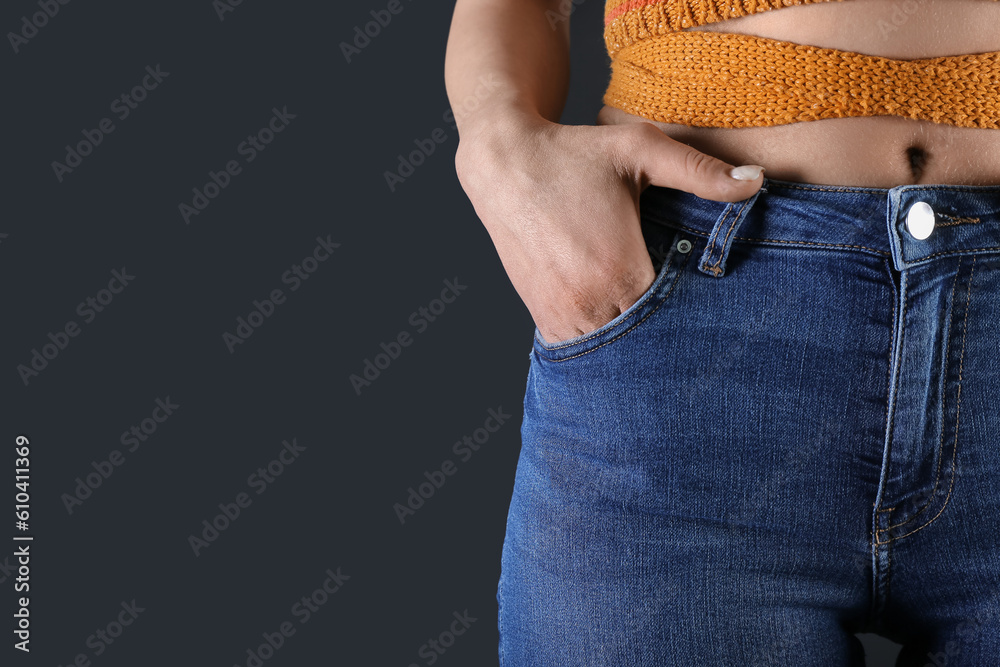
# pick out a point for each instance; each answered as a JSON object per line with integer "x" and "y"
{"x": 713, "y": 79}
{"x": 907, "y": 224}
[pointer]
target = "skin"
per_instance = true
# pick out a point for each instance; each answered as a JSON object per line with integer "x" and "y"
{"x": 871, "y": 151}
{"x": 561, "y": 202}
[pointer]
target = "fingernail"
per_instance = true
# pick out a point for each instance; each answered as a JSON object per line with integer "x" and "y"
{"x": 747, "y": 172}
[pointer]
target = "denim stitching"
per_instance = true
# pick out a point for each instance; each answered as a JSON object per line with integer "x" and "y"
{"x": 814, "y": 243}
{"x": 820, "y": 188}
{"x": 877, "y": 191}
{"x": 732, "y": 227}
{"x": 650, "y": 293}
{"x": 711, "y": 246}
{"x": 958, "y": 406}
{"x": 895, "y": 380}
{"x": 715, "y": 267}
{"x": 955, "y": 220}
{"x": 680, "y": 270}
{"x": 937, "y": 474}
{"x": 889, "y": 380}
{"x": 873, "y": 607}
{"x": 958, "y": 252}
{"x": 886, "y": 570}
{"x": 885, "y": 406}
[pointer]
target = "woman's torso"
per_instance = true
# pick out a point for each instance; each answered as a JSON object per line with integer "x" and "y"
{"x": 875, "y": 151}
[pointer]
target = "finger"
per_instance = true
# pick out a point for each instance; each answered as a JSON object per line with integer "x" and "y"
{"x": 666, "y": 162}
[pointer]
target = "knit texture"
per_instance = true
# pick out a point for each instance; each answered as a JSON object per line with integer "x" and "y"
{"x": 626, "y": 21}
{"x": 717, "y": 79}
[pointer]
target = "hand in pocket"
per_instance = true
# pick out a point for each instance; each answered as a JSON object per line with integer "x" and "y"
{"x": 561, "y": 204}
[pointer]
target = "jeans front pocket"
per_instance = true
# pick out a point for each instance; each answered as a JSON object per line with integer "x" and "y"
{"x": 669, "y": 249}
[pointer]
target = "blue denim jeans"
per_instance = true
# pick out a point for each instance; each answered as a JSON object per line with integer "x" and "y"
{"x": 791, "y": 437}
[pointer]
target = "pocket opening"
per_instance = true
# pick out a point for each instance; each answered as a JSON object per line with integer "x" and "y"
{"x": 667, "y": 260}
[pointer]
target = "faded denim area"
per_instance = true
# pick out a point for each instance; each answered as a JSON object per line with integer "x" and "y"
{"x": 793, "y": 436}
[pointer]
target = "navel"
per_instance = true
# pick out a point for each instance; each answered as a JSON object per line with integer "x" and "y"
{"x": 917, "y": 158}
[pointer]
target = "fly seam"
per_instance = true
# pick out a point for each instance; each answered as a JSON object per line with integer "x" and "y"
{"x": 895, "y": 397}
{"x": 886, "y": 404}
{"x": 937, "y": 474}
{"x": 958, "y": 405}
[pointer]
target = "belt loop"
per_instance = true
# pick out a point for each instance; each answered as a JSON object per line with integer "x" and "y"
{"x": 893, "y": 215}
{"x": 713, "y": 260}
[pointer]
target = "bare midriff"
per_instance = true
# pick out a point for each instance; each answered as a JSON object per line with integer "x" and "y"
{"x": 873, "y": 151}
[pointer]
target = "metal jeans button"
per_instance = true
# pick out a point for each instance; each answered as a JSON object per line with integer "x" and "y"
{"x": 920, "y": 220}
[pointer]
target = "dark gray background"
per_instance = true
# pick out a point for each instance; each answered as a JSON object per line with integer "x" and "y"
{"x": 323, "y": 176}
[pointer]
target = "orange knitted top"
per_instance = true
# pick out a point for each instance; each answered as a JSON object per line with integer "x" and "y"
{"x": 715, "y": 79}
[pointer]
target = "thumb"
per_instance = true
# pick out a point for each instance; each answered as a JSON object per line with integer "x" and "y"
{"x": 666, "y": 162}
